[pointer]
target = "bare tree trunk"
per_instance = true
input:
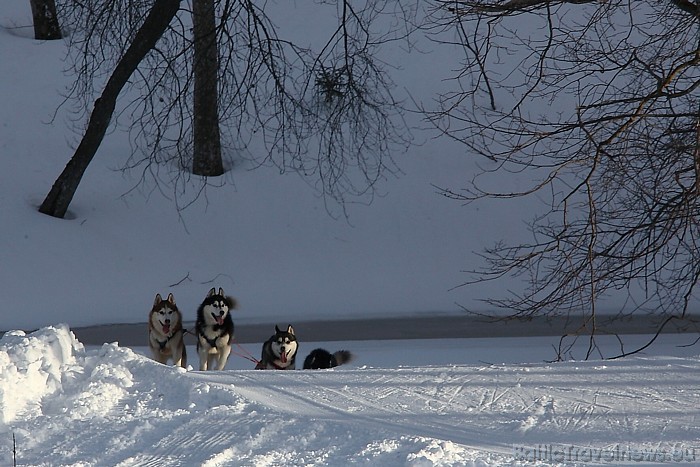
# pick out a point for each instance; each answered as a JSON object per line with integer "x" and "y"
{"x": 46, "y": 27}
{"x": 61, "y": 194}
{"x": 206, "y": 137}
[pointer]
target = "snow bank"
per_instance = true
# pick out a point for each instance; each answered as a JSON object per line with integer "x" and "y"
{"x": 71, "y": 406}
{"x": 33, "y": 366}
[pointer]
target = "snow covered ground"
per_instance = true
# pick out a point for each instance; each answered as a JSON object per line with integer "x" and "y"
{"x": 266, "y": 238}
{"x": 416, "y": 403}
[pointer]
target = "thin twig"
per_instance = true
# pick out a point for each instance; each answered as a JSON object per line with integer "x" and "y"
{"x": 210, "y": 281}
{"x": 186, "y": 278}
{"x": 651, "y": 341}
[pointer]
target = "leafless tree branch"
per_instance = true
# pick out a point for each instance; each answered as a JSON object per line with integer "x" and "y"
{"x": 594, "y": 104}
{"x": 277, "y": 105}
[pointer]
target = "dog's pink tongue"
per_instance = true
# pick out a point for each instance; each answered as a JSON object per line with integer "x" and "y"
{"x": 220, "y": 320}
{"x": 166, "y": 328}
{"x": 283, "y": 357}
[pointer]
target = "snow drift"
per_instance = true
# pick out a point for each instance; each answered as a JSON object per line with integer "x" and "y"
{"x": 33, "y": 367}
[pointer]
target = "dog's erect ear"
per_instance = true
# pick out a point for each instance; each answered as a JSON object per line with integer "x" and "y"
{"x": 221, "y": 292}
{"x": 290, "y": 329}
{"x": 157, "y": 300}
{"x": 211, "y": 292}
{"x": 277, "y": 330}
{"x": 171, "y": 299}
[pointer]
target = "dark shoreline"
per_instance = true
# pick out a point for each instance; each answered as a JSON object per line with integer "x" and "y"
{"x": 409, "y": 327}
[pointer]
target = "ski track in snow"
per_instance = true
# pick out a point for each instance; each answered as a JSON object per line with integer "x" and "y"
{"x": 111, "y": 406}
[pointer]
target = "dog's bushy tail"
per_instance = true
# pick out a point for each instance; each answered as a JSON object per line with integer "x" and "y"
{"x": 343, "y": 356}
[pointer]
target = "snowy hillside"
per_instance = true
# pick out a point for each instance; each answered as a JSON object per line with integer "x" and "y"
{"x": 111, "y": 406}
{"x": 265, "y": 237}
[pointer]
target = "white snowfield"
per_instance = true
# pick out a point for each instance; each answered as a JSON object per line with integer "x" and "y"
{"x": 112, "y": 406}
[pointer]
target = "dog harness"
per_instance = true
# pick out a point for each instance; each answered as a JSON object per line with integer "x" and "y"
{"x": 261, "y": 366}
{"x": 212, "y": 343}
{"x": 165, "y": 342}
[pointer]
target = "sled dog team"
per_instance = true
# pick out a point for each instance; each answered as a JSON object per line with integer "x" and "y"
{"x": 214, "y": 333}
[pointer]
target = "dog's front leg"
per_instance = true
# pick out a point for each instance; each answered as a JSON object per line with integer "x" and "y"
{"x": 224, "y": 352}
{"x": 183, "y": 357}
{"x": 203, "y": 359}
{"x": 162, "y": 359}
{"x": 177, "y": 359}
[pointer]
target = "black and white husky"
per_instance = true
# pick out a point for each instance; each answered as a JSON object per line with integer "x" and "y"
{"x": 279, "y": 351}
{"x": 165, "y": 332}
{"x": 321, "y": 359}
{"x": 214, "y": 329}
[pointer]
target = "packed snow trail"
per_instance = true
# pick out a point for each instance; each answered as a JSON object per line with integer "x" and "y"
{"x": 112, "y": 406}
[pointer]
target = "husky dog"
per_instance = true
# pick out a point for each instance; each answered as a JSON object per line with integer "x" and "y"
{"x": 165, "y": 332}
{"x": 279, "y": 351}
{"x": 322, "y": 359}
{"x": 214, "y": 329}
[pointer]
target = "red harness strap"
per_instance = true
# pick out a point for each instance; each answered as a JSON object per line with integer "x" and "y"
{"x": 245, "y": 354}
{"x": 260, "y": 366}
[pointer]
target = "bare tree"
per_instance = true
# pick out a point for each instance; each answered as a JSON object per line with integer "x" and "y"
{"x": 206, "y": 159}
{"x": 275, "y": 102}
{"x": 58, "y": 199}
{"x": 597, "y": 102}
{"x": 45, "y": 19}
